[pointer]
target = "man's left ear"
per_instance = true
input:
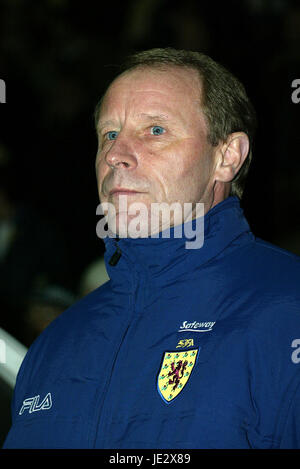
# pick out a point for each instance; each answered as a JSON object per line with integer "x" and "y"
{"x": 231, "y": 156}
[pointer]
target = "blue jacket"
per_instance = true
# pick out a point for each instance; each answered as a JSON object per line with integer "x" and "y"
{"x": 182, "y": 348}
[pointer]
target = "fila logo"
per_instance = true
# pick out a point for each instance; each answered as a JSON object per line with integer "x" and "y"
{"x": 32, "y": 404}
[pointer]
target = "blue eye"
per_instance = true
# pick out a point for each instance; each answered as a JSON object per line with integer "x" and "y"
{"x": 112, "y": 135}
{"x": 157, "y": 130}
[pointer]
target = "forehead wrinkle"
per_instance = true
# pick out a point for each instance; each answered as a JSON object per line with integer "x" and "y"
{"x": 144, "y": 115}
{"x": 149, "y": 114}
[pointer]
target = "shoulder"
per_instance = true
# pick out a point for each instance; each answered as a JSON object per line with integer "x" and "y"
{"x": 56, "y": 345}
{"x": 263, "y": 254}
{"x": 272, "y": 278}
{"x": 275, "y": 252}
{"x": 267, "y": 268}
{"x": 78, "y": 316}
{"x": 281, "y": 271}
{"x": 274, "y": 323}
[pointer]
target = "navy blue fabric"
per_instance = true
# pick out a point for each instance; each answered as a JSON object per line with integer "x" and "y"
{"x": 99, "y": 361}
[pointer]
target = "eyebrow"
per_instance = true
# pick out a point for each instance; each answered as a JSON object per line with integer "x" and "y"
{"x": 103, "y": 124}
{"x": 143, "y": 115}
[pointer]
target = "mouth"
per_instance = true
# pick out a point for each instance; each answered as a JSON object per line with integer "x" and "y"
{"x": 123, "y": 191}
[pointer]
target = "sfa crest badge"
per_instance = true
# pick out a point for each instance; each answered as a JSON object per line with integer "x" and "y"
{"x": 175, "y": 372}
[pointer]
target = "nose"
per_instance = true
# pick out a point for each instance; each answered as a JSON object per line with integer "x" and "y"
{"x": 121, "y": 154}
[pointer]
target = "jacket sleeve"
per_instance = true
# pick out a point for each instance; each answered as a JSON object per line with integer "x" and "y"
{"x": 291, "y": 428}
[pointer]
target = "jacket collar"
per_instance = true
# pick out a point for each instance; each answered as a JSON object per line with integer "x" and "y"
{"x": 168, "y": 256}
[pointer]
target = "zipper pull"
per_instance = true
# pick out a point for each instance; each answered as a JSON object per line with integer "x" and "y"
{"x": 115, "y": 257}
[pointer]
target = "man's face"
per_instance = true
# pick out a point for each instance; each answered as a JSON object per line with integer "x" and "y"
{"x": 153, "y": 142}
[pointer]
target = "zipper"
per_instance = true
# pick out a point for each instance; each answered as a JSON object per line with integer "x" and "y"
{"x": 115, "y": 257}
{"x": 100, "y": 423}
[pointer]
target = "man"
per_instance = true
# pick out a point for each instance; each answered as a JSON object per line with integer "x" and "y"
{"x": 182, "y": 348}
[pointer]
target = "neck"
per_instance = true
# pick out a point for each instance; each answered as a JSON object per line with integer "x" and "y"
{"x": 168, "y": 251}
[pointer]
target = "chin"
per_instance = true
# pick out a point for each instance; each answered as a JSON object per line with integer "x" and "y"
{"x": 128, "y": 226}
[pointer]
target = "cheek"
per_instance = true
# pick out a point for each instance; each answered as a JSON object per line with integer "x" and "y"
{"x": 187, "y": 159}
{"x": 101, "y": 166}
{"x": 100, "y": 177}
{"x": 189, "y": 170}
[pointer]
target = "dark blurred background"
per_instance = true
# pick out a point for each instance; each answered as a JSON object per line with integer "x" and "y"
{"x": 57, "y": 57}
